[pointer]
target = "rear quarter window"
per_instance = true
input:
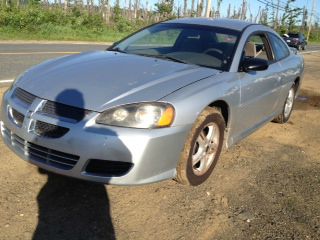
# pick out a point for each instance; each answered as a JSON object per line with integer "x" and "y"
{"x": 279, "y": 48}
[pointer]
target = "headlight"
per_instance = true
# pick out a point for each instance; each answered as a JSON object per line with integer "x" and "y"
{"x": 139, "y": 115}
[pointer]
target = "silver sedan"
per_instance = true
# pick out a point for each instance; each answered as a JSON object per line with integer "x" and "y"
{"x": 160, "y": 104}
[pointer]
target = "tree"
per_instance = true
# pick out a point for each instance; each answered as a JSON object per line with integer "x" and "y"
{"x": 290, "y": 17}
{"x": 264, "y": 16}
{"x": 185, "y": 6}
{"x": 192, "y": 8}
{"x": 164, "y": 7}
{"x": 200, "y": 8}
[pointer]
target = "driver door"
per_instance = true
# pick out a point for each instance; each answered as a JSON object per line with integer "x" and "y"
{"x": 259, "y": 90}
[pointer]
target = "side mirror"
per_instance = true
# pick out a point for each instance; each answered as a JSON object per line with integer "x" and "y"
{"x": 254, "y": 64}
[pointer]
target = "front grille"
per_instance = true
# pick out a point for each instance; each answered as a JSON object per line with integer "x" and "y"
{"x": 24, "y": 96}
{"x": 41, "y": 154}
{"x": 49, "y": 130}
{"x": 51, "y": 108}
{"x": 65, "y": 111}
{"x": 17, "y": 117}
{"x": 107, "y": 168}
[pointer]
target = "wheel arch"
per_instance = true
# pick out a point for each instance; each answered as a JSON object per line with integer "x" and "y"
{"x": 224, "y": 108}
{"x": 297, "y": 84}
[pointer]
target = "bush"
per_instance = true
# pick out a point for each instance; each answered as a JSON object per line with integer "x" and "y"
{"x": 32, "y": 17}
{"x": 35, "y": 21}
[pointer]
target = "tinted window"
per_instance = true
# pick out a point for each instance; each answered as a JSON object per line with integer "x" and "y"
{"x": 294, "y": 35}
{"x": 280, "y": 49}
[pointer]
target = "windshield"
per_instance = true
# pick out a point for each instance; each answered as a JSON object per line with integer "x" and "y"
{"x": 205, "y": 46}
{"x": 293, "y": 35}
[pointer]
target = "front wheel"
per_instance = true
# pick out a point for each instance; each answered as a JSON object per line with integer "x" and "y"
{"x": 202, "y": 148}
{"x": 287, "y": 108}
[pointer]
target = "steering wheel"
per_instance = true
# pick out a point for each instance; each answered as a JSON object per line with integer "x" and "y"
{"x": 217, "y": 53}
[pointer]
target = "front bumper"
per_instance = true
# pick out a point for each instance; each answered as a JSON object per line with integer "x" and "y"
{"x": 154, "y": 153}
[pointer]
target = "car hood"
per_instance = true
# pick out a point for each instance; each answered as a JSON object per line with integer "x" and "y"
{"x": 100, "y": 80}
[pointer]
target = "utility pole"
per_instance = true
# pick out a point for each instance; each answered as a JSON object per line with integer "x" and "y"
{"x": 229, "y": 11}
{"x": 311, "y": 16}
{"x": 208, "y": 8}
{"x": 304, "y": 18}
{"x": 199, "y": 8}
{"x": 244, "y": 10}
{"x": 185, "y": 8}
{"x": 277, "y": 16}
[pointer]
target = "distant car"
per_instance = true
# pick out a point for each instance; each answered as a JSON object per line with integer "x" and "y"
{"x": 159, "y": 104}
{"x": 296, "y": 40}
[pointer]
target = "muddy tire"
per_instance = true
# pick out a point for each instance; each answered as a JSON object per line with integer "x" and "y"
{"x": 202, "y": 148}
{"x": 287, "y": 107}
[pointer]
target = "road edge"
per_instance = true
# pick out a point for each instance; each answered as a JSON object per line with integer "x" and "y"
{"x": 53, "y": 42}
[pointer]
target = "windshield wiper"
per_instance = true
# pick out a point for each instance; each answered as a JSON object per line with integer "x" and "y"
{"x": 117, "y": 49}
{"x": 164, "y": 57}
{"x": 174, "y": 59}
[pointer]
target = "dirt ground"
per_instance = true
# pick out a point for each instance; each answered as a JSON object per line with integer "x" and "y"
{"x": 266, "y": 187}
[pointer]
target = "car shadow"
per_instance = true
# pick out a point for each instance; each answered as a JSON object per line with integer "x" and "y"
{"x": 71, "y": 208}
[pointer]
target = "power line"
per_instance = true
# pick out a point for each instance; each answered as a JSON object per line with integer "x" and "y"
{"x": 272, "y": 5}
{"x": 277, "y": 6}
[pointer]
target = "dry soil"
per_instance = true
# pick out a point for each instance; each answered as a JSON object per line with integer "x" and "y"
{"x": 266, "y": 187}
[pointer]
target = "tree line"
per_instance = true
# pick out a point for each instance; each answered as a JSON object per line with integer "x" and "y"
{"x": 130, "y": 15}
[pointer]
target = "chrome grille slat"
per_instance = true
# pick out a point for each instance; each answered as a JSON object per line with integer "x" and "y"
{"x": 67, "y": 164}
{"x": 48, "y": 158}
{"x": 24, "y": 96}
{"x": 42, "y": 157}
{"x": 16, "y": 142}
{"x": 48, "y": 108}
{"x": 17, "y": 137}
{"x": 42, "y": 154}
{"x": 65, "y": 111}
{"x": 49, "y": 130}
{"x": 17, "y": 117}
{"x": 59, "y": 156}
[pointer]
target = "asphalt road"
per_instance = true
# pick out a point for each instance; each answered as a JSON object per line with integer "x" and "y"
{"x": 16, "y": 58}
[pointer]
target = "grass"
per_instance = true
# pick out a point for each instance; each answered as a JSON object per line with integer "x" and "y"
{"x": 69, "y": 33}
{"x": 314, "y": 42}
{"x": 65, "y": 33}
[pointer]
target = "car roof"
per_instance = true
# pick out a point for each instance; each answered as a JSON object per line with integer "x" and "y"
{"x": 223, "y": 22}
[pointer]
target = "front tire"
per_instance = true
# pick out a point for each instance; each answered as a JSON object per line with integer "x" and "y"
{"x": 202, "y": 148}
{"x": 287, "y": 108}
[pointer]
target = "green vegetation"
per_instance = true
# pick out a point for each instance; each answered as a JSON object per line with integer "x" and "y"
{"x": 35, "y": 22}
{"x": 75, "y": 20}
{"x": 51, "y": 32}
